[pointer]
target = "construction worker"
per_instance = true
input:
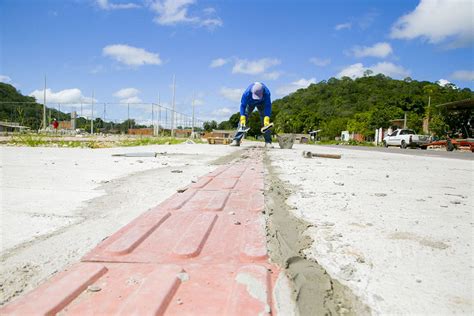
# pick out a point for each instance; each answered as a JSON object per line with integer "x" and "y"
{"x": 256, "y": 95}
{"x": 55, "y": 124}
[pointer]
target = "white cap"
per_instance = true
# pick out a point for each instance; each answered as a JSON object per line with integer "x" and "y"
{"x": 257, "y": 91}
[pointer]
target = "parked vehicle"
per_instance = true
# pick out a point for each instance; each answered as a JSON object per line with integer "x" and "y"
{"x": 405, "y": 138}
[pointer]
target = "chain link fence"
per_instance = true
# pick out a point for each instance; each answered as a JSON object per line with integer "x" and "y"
{"x": 103, "y": 117}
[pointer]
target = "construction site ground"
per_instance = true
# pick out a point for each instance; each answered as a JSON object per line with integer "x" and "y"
{"x": 370, "y": 233}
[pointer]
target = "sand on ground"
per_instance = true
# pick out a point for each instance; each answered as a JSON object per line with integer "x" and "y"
{"x": 58, "y": 203}
{"x": 397, "y": 230}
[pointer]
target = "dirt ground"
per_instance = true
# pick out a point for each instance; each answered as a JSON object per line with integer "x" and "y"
{"x": 370, "y": 233}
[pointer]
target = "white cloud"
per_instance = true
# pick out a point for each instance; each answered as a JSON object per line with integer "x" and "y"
{"x": 223, "y": 112}
{"x": 463, "y": 75}
{"x": 443, "y": 82}
{"x": 5, "y": 79}
{"x": 320, "y": 62}
{"x": 274, "y": 75}
{"x": 436, "y": 21}
{"x": 131, "y": 56}
{"x": 172, "y": 12}
{"x": 106, "y": 5}
{"x": 250, "y": 67}
{"x": 64, "y": 96}
{"x": 211, "y": 23}
{"x": 389, "y": 69}
{"x": 379, "y": 50}
{"x": 128, "y": 95}
{"x": 134, "y": 99}
{"x": 352, "y": 71}
{"x": 295, "y": 85}
{"x": 219, "y": 62}
{"x": 231, "y": 94}
{"x": 357, "y": 70}
{"x": 343, "y": 26}
{"x": 254, "y": 67}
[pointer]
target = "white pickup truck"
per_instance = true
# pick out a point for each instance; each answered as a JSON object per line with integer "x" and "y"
{"x": 405, "y": 138}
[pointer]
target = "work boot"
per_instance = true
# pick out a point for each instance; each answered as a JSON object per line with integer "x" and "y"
{"x": 268, "y": 145}
{"x": 234, "y": 143}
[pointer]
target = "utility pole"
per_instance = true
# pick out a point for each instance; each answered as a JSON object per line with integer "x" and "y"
{"x": 192, "y": 128}
{"x": 429, "y": 114}
{"x": 44, "y": 104}
{"x": 173, "y": 115}
{"x": 152, "y": 120}
{"x": 92, "y": 114}
{"x": 159, "y": 116}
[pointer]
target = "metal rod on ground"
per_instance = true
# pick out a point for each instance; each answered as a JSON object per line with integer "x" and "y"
{"x": 308, "y": 154}
{"x": 128, "y": 115}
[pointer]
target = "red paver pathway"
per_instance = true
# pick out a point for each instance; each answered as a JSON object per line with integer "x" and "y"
{"x": 201, "y": 252}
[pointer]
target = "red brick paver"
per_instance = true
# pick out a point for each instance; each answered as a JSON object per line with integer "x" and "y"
{"x": 201, "y": 252}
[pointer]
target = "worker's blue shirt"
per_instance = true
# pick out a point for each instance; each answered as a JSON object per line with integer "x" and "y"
{"x": 247, "y": 100}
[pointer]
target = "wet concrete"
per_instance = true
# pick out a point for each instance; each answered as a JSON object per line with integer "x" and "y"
{"x": 313, "y": 290}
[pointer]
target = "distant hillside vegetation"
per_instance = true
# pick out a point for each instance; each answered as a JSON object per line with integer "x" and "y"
{"x": 362, "y": 105}
{"x": 29, "y": 113}
{"x": 15, "y": 107}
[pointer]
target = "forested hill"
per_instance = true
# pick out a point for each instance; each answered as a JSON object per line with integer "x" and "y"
{"x": 360, "y": 105}
{"x": 15, "y": 107}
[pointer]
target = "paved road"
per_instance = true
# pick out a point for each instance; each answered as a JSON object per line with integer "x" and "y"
{"x": 415, "y": 152}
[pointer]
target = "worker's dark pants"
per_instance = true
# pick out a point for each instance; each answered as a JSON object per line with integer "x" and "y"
{"x": 248, "y": 110}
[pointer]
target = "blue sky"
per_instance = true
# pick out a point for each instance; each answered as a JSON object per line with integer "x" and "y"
{"x": 128, "y": 51}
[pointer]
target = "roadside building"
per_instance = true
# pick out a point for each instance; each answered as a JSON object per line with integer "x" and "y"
{"x": 183, "y": 133}
{"x": 140, "y": 131}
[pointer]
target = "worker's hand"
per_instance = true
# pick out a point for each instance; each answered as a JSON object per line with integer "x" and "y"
{"x": 266, "y": 121}
{"x": 243, "y": 120}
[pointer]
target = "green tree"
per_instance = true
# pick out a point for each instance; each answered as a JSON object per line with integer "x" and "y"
{"x": 360, "y": 124}
{"x": 209, "y": 125}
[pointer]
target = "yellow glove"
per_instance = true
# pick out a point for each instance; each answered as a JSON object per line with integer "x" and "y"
{"x": 266, "y": 121}
{"x": 243, "y": 120}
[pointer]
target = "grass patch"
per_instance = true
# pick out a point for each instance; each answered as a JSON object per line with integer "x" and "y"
{"x": 29, "y": 140}
{"x": 149, "y": 141}
{"x": 38, "y": 140}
